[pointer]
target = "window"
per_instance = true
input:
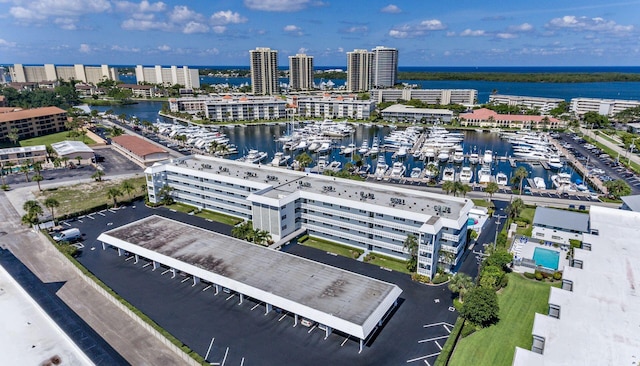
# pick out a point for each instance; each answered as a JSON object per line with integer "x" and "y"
{"x": 283, "y": 217}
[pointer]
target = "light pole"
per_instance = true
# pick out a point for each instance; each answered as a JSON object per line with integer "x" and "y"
{"x": 495, "y": 239}
{"x": 631, "y": 147}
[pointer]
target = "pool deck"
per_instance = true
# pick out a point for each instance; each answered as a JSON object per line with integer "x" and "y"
{"x": 524, "y": 248}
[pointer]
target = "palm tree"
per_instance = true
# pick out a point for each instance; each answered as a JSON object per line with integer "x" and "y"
{"x": 26, "y": 168}
{"x": 32, "y": 206}
{"x": 13, "y": 135}
{"x": 519, "y": 176}
{"x": 515, "y": 208}
{"x": 411, "y": 246}
{"x": 460, "y": 283}
{"x": 491, "y": 188}
{"x": 113, "y": 193}
{"x": 38, "y": 178}
{"x": 261, "y": 237}
{"x": 304, "y": 160}
{"x": 79, "y": 159}
{"x": 65, "y": 160}
{"x": 127, "y": 187}
{"x": 464, "y": 189}
{"x": 448, "y": 187}
{"x": 52, "y": 203}
{"x": 97, "y": 175}
{"x": 213, "y": 147}
{"x": 122, "y": 117}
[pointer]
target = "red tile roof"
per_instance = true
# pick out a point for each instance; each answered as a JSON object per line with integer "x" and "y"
{"x": 483, "y": 114}
{"x": 137, "y": 145}
{"x": 30, "y": 113}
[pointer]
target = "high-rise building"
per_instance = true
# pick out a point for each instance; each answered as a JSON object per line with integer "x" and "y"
{"x": 385, "y": 67}
{"x": 301, "y": 72}
{"x": 359, "y": 70}
{"x": 264, "y": 71}
{"x": 168, "y": 76}
{"x": 50, "y": 72}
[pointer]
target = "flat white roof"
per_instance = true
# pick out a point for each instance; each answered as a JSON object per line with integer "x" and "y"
{"x": 29, "y": 336}
{"x": 401, "y": 108}
{"x": 63, "y": 148}
{"x": 23, "y": 149}
{"x": 600, "y": 318}
{"x": 342, "y": 300}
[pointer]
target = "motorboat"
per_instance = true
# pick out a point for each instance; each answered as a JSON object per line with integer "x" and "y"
{"x": 381, "y": 168}
{"x": 502, "y": 179}
{"x": 280, "y": 159}
{"x": 397, "y": 170}
{"x": 474, "y": 158}
{"x": 443, "y": 156}
{"x": 324, "y": 147}
{"x": 448, "y": 174}
{"x": 364, "y": 148}
{"x": 487, "y": 158}
{"x": 562, "y": 182}
{"x": 484, "y": 175}
{"x": 375, "y": 147}
{"x": 466, "y": 174}
{"x": 254, "y": 157}
{"x": 554, "y": 162}
{"x": 402, "y": 152}
{"x": 458, "y": 155}
{"x": 334, "y": 165}
{"x": 349, "y": 149}
{"x": 364, "y": 169}
{"x": 416, "y": 172}
{"x": 539, "y": 183}
{"x": 429, "y": 153}
{"x": 431, "y": 171}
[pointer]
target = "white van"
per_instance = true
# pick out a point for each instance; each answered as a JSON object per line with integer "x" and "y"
{"x": 68, "y": 235}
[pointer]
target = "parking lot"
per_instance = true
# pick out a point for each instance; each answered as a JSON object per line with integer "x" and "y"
{"x": 116, "y": 163}
{"x": 604, "y": 166}
{"x": 241, "y": 334}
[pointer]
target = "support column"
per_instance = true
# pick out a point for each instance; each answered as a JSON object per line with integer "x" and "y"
{"x": 267, "y": 308}
{"x": 196, "y": 280}
{"x": 295, "y": 319}
{"x": 173, "y": 271}
{"x": 135, "y": 261}
{"x": 217, "y": 287}
{"x": 104, "y": 246}
{"x": 327, "y": 331}
{"x": 120, "y": 252}
{"x": 241, "y": 298}
{"x": 361, "y": 344}
{"x": 155, "y": 265}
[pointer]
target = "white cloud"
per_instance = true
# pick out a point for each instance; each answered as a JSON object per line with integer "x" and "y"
{"x": 278, "y": 5}
{"x": 143, "y": 6}
{"x": 164, "y": 48}
{"x": 124, "y": 49}
{"x": 303, "y": 50}
{"x": 66, "y": 13}
{"x": 340, "y": 49}
{"x": 356, "y": 29}
{"x": 398, "y": 34}
{"x": 195, "y": 27}
{"x": 293, "y": 29}
{"x": 582, "y": 24}
{"x": 145, "y": 25}
{"x": 432, "y": 24}
{"x": 391, "y": 9}
{"x": 66, "y": 23}
{"x": 219, "y": 29}
{"x": 227, "y": 17}
{"x": 84, "y": 48}
{"x": 472, "y": 33}
{"x": 182, "y": 14}
{"x": 451, "y": 34}
{"x": 524, "y": 27}
{"x": 5, "y": 43}
{"x": 506, "y": 35}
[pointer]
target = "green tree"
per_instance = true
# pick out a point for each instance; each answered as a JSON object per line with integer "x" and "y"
{"x": 411, "y": 247}
{"x": 13, "y": 135}
{"x": 52, "y": 203}
{"x": 491, "y": 276}
{"x": 113, "y": 193}
{"x": 38, "y": 178}
{"x": 242, "y": 230}
{"x": 491, "y": 189}
{"x": 127, "y": 187}
{"x": 97, "y": 175}
{"x": 519, "y": 176}
{"x": 460, "y": 283}
{"x": 464, "y": 189}
{"x": 481, "y": 307}
{"x": 515, "y": 208}
{"x": 448, "y": 187}
{"x": 33, "y": 210}
{"x": 166, "y": 195}
{"x": 304, "y": 160}
{"x": 595, "y": 120}
{"x": 499, "y": 258}
{"x": 25, "y": 168}
{"x": 261, "y": 237}
{"x": 617, "y": 188}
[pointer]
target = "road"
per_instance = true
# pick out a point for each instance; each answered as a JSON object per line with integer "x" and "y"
{"x": 623, "y": 152}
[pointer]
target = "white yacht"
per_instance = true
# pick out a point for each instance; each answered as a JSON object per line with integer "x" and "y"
{"x": 562, "y": 182}
{"x": 402, "y": 152}
{"x": 416, "y": 172}
{"x": 254, "y": 157}
{"x": 349, "y": 149}
{"x": 398, "y": 170}
{"x": 448, "y": 174}
{"x": 502, "y": 179}
{"x": 364, "y": 148}
{"x": 466, "y": 174}
{"x": 375, "y": 147}
{"x": 324, "y": 147}
{"x": 334, "y": 165}
{"x": 484, "y": 175}
{"x": 474, "y": 158}
{"x": 487, "y": 158}
{"x": 443, "y": 156}
{"x": 429, "y": 153}
{"x": 381, "y": 168}
{"x": 458, "y": 155}
{"x": 280, "y": 159}
{"x": 554, "y": 161}
{"x": 540, "y": 183}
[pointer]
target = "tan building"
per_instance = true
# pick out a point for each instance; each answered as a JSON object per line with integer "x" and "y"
{"x": 484, "y": 117}
{"x": 359, "y": 70}
{"x": 32, "y": 122}
{"x": 18, "y": 155}
{"x": 300, "y": 72}
{"x": 51, "y": 72}
{"x": 138, "y": 150}
{"x": 264, "y": 71}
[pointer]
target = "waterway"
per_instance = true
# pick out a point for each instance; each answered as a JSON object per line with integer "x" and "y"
{"x": 263, "y": 138}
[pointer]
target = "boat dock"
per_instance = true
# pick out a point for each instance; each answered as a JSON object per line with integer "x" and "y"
{"x": 577, "y": 165}
{"x": 545, "y": 165}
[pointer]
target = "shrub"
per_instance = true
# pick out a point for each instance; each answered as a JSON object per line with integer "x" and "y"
{"x": 521, "y": 223}
{"x": 575, "y": 243}
{"x": 530, "y": 275}
{"x": 504, "y": 281}
{"x": 5, "y": 187}
{"x": 468, "y": 330}
{"x": 440, "y": 278}
{"x": 525, "y": 220}
{"x": 420, "y": 278}
{"x": 557, "y": 276}
{"x": 539, "y": 276}
{"x": 457, "y": 304}
{"x": 303, "y": 238}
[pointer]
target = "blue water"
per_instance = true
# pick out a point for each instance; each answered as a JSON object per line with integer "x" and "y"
{"x": 546, "y": 258}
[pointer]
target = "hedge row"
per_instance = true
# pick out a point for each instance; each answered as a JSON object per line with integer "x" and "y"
{"x": 450, "y": 344}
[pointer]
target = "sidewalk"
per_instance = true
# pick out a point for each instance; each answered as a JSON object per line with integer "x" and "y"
{"x": 624, "y": 154}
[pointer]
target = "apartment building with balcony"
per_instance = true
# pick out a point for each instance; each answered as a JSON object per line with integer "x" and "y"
{"x": 466, "y": 97}
{"x": 594, "y": 316}
{"x": 605, "y": 107}
{"x": 32, "y": 122}
{"x": 168, "y": 76}
{"x": 544, "y": 105}
{"x": 371, "y": 217}
{"x": 50, "y": 72}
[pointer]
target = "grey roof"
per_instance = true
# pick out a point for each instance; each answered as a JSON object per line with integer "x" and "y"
{"x": 333, "y": 291}
{"x": 632, "y": 202}
{"x": 569, "y": 220}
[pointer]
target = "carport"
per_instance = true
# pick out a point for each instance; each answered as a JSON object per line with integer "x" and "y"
{"x": 334, "y": 298}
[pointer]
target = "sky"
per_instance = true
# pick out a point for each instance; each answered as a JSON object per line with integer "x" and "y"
{"x": 221, "y": 32}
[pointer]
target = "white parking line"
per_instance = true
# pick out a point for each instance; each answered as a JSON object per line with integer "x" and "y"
{"x": 91, "y": 217}
{"x": 230, "y": 297}
{"x": 345, "y": 341}
{"x": 282, "y": 317}
{"x": 436, "y": 324}
{"x": 432, "y": 339}
{"x": 422, "y": 357}
{"x": 206, "y": 288}
{"x": 101, "y": 214}
{"x": 333, "y": 254}
{"x": 212, "y": 221}
{"x": 147, "y": 265}
{"x": 386, "y": 269}
{"x": 129, "y": 258}
{"x": 426, "y": 362}
{"x": 447, "y": 329}
{"x": 185, "y": 280}
{"x": 225, "y": 356}
{"x": 112, "y": 211}
{"x": 172, "y": 210}
{"x": 438, "y": 344}
{"x": 80, "y": 221}
{"x": 66, "y": 223}
{"x": 311, "y": 330}
{"x": 255, "y": 306}
{"x": 165, "y": 272}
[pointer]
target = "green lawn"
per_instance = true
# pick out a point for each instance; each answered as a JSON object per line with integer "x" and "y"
{"x": 206, "y": 214}
{"x": 495, "y": 346}
{"x": 481, "y": 202}
{"x": 387, "y": 262}
{"x": 328, "y": 246}
{"x": 54, "y": 137}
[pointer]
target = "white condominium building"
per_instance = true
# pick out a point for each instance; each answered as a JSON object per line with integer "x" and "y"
{"x": 385, "y": 67}
{"x": 300, "y": 72}
{"x": 331, "y": 106}
{"x": 232, "y": 107}
{"x": 544, "y": 105}
{"x": 405, "y": 113}
{"x": 359, "y": 70}
{"x": 372, "y": 217}
{"x": 168, "y": 76}
{"x": 595, "y": 314}
{"x": 429, "y": 96}
{"x": 605, "y": 107}
{"x": 50, "y": 72}
{"x": 264, "y": 71}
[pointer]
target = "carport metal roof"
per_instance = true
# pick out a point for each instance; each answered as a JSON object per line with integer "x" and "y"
{"x": 342, "y": 300}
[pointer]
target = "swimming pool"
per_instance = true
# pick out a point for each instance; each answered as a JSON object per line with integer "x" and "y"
{"x": 546, "y": 258}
